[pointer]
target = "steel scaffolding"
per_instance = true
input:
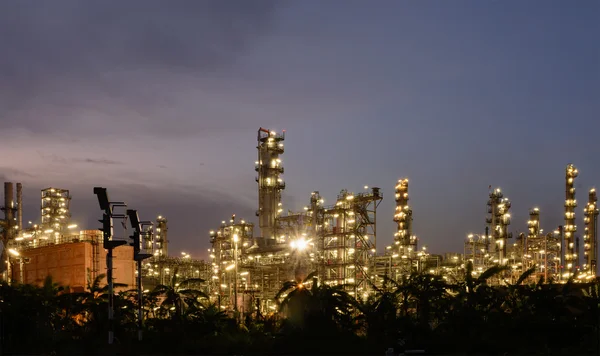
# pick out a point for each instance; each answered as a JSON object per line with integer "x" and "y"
{"x": 349, "y": 240}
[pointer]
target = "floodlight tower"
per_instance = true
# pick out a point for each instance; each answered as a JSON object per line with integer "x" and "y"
{"x": 270, "y": 183}
{"x": 109, "y": 244}
{"x": 407, "y": 243}
{"x": 570, "y": 228}
{"x": 139, "y": 255}
{"x": 590, "y": 237}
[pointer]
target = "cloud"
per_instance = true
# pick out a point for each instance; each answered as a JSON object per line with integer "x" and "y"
{"x": 68, "y": 64}
{"x": 64, "y": 160}
{"x": 7, "y": 173}
{"x": 97, "y": 161}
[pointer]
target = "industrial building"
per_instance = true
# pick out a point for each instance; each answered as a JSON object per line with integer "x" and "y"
{"x": 75, "y": 258}
{"x": 336, "y": 243}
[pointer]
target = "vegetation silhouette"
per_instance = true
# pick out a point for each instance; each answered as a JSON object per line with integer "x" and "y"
{"x": 420, "y": 311}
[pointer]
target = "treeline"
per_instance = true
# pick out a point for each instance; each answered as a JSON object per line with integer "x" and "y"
{"x": 422, "y": 311}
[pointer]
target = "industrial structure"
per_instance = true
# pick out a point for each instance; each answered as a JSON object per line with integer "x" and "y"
{"x": 571, "y": 251}
{"x": 72, "y": 257}
{"x": 541, "y": 250}
{"x": 590, "y": 238}
{"x": 338, "y": 242}
{"x": 332, "y": 244}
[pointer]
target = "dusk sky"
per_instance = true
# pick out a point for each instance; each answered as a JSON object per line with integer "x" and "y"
{"x": 160, "y": 101}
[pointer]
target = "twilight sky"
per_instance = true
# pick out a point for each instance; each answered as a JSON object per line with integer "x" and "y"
{"x": 160, "y": 101}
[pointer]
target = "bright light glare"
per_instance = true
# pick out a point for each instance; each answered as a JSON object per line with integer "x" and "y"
{"x": 13, "y": 252}
{"x": 72, "y": 226}
{"x": 300, "y": 244}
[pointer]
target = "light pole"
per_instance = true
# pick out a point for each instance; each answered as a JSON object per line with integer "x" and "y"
{"x": 109, "y": 244}
{"x": 139, "y": 232}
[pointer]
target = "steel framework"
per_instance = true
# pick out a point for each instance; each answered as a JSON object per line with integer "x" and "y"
{"x": 349, "y": 240}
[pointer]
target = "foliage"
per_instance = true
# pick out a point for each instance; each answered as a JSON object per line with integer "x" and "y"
{"x": 420, "y": 311}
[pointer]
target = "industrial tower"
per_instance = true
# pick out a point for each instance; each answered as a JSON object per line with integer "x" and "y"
{"x": 541, "y": 250}
{"x": 404, "y": 239}
{"x": 160, "y": 238}
{"x": 350, "y": 239}
{"x": 571, "y": 257}
{"x": 12, "y": 223}
{"x": 532, "y": 252}
{"x": 55, "y": 209}
{"x": 270, "y": 184}
{"x": 498, "y": 222}
{"x": 230, "y": 242}
{"x": 590, "y": 237}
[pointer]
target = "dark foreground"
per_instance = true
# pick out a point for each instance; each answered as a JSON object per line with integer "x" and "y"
{"x": 421, "y": 312}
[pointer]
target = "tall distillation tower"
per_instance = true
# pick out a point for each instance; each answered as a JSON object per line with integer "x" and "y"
{"x": 590, "y": 237}
{"x": 406, "y": 242}
{"x": 55, "y": 210}
{"x": 570, "y": 228}
{"x": 498, "y": 220}
{"x": 160, "y": 238}
{"x": 530, "y": 254}
{"x": 270, "y": 184}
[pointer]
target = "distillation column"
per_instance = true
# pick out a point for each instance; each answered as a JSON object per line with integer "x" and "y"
{"x": 270, "y": 184}
{"x": 160, "y": 238}
{"x": 570, "y": 228}
{"x": 406, "y": 242}
{"x": 530, "y": 244}
{"x": 499, "y": 220}
{"x": 9, "y": 209}
{"x": 533, "y": 229}
{"x": 590, "y": 238}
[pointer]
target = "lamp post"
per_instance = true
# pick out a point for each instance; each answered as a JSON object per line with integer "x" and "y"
{"x": 109, "y": 244}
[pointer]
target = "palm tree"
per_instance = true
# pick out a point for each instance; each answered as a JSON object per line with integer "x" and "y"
{"x": 294, "y": 299}
{"x": 175, "y": 298}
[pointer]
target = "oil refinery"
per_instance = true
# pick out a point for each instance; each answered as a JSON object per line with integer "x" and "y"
{"x": 334, "y": 244}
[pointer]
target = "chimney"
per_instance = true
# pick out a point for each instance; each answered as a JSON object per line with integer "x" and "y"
{"x": 9, "y": 212}
{"x": 20, "y": 206}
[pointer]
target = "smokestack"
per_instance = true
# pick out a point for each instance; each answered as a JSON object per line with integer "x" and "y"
{"x": 20, "y": 206}
{"x": 8, "y": 204}
{"x": 8, "y": 211}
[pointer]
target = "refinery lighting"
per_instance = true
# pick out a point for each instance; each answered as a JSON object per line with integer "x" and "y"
{"x": 337, "y": 241}
{"x": 299, "y": 244}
